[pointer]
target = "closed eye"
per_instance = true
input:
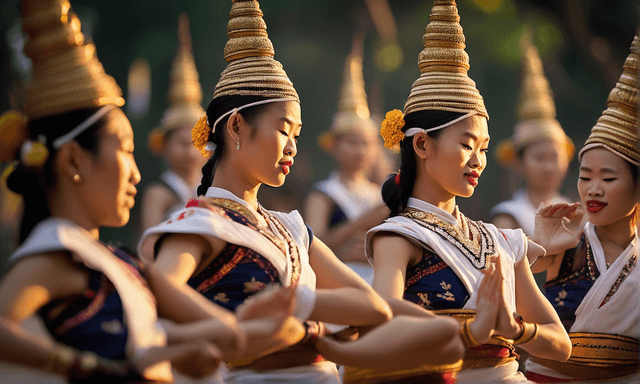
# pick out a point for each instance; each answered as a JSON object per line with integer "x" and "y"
{"x": 467, "y": 147}
{"x": 584, "y": 178}
{"x": 486, "y": 150}
{"x": 284, "y": 133}
{"x": 610, "y": 179}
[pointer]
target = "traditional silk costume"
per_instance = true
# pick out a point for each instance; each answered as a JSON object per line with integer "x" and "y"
{"x": 455, "y": 249}
{"x": 263, "y": 247}
{"x": 599, "y": 304}
{"x": 116, "y": 318}
{"x": 185, "y": 98}
{"x": 350, "y": 201}
{"x": 537, "y": 115}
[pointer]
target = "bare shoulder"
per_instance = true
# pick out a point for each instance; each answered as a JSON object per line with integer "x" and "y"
{"x": 389, "y": 245}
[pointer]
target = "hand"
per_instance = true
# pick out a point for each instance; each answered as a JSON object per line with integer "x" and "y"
{"x": 558, "y": 226}
{"x": 198, "y": 360}
{"x": 272, "y": 302}
{"x": 489, "y": 299}
{"x": 507, "y": 325}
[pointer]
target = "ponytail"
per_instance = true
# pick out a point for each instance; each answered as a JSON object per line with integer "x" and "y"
{"x": 395, "y": 195}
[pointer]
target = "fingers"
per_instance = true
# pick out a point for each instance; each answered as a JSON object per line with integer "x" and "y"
{"x": 556, "y": 210}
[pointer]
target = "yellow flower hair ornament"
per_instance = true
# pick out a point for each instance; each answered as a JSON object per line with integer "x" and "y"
{"x": 34, "y": 153}
{"x": 391, "y": 128}
{"x": 156, "y": 142}
{"x": 506, "y": 153}
{"x": 13, "y": 132}
{"x": 200, "y": 135}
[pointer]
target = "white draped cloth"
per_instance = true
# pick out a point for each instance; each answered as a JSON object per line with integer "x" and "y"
{"x": 140, "y": 315}
{"x": 512, "y": 244}
{"x": 620, "y": 315}
{"x": 210, "y": 225}
{"x": 180, "y": 188}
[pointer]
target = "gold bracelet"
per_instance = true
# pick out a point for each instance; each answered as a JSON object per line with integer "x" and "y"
{"x": 529, "y": 332}
{"x": 60, "y": 360}
{"x": 466, "y": 335}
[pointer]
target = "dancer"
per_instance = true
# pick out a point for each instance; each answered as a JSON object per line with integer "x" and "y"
{"x": 226, "y": 245}
{"x": 97, "y": 302}
{"x": 592, "y": 278}
{"x": 342, "y": 208}
{"x": 428, "y": 252}
{"x": 539, "y": 148}
{"x": 172, "y": 140}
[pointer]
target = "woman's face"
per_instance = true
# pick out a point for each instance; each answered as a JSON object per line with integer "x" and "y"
{"x": 354, "y": 150}
{"x": 544, "y": 165}
{"x": 457, "y": 158}
{"x": 109, "y": 177}
{"x": 180, "y": 153}
{"x": 606, "y": 187}
{"x": 266, "y": 154}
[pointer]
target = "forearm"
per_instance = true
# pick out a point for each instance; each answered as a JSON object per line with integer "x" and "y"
{"x": 544, "y": 263}
{"x": 22, "y": 347}
{"x": 350, "y": 306}
{"x": 404, "y": 307}
{"x": 552, "y": 342}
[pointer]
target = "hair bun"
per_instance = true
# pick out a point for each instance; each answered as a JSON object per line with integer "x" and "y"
{"x": 13, "y": 132}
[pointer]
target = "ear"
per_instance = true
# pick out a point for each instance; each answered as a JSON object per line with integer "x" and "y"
{"x": 233, "y": 126}
{"x": 422, "y": 145}
{"x": 71, "y": 160}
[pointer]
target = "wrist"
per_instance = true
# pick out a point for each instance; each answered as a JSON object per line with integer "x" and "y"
{"x": 61, "y": 360}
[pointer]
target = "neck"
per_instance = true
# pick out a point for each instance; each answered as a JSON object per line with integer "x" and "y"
{"x": 426, "y": 190}
{"x": 538, "y": 196}
{"x": 64, "y": 205}
{"x": 619, "y": 233}
{"x": 348, "y": 176}
{"x": 232, "y": 179}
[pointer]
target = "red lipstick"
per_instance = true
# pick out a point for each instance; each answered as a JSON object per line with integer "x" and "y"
{"x": 594, "y": 206}
{"x": 472, "y": 177}
{"x": 286, "y": 165}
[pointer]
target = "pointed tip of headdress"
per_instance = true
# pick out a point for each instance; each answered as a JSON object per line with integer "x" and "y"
{"x": 247, "y": 32}
{"x": 618, "y": 127}
{"x": 184, "y": 35}
{"x": 536, "y": 97}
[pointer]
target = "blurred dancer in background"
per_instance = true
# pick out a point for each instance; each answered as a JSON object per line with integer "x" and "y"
{"x": 172, "y": 139}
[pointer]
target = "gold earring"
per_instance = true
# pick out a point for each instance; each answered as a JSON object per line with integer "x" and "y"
{"x": 76, "y": 178}
{"x": 238, "y": 146}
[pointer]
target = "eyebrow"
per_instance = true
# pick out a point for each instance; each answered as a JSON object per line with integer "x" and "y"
{"x": 474, "y": 137}
{"x": 290, "y": 122}
{"x": 603, "y": 170}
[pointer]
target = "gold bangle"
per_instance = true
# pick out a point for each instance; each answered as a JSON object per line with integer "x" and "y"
{"x": 466, "y": 335}
{"x": 60, "y": 360}
{"x": 529, "y": 332}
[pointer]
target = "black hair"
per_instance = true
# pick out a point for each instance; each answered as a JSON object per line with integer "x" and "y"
{"x": 394, "y": 196}
{"x": 218, "y": 107}
{"x": 33, "y": 183}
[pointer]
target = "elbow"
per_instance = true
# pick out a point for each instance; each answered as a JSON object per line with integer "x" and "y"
{"x": 381, "y": 310}
{"x": 563, "y": 350}
{"x": 455, "y": 349}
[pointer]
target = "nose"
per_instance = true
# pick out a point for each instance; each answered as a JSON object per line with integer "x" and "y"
{"x": 291, "y": 149}
{"x": 135, "y": 173}
{"x": 476, "y": 161}
{"x": 596, "y": 189}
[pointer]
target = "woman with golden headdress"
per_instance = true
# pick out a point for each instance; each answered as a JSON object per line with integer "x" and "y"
{"x": 342, "y": 208}
{"x": 172, "y": 140}
{"x": 76, "y": 172}
{"x": 592, "y": 277}
{"x": 428, "y": 252}
{"x": 539, "y": 148}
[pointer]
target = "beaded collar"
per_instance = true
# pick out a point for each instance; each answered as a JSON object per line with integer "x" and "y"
{"x": 477, "y": 247}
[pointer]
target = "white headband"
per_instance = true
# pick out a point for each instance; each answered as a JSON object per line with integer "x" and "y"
{"x": 234, "y": 110}
{"x": 412, "y": 131}
{"x": 60, "y": 141}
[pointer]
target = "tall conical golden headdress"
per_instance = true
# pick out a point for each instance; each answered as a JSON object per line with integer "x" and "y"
{"x": 617, "y": 128}
{"x": 251, "y": 68}
{"x": 66, "y": 72}
{"x": 444, "y": 84}
{"x": 536, "y": 109}
{"x": 185, "y": 92}
{"x": 353, "y": 109}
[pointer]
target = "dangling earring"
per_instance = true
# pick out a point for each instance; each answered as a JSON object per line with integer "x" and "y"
{"x": 238, "y": 146}
{"x": 76, "y": 178}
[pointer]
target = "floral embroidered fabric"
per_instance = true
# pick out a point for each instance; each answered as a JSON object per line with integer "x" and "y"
{"x": 577, "y": 274}
{"x": 434, "y": 285}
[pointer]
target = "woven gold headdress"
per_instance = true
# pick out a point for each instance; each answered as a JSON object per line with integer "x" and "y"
{"x": 444, "y": 84}
{"x": 617, "y": 128}
{"x": 66, "y": 72}
{"x": 353, "y": 109}
{"x": 185, "y": 92}
{"x": 536, "y": 110}
{"x": 251, "y": 69}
